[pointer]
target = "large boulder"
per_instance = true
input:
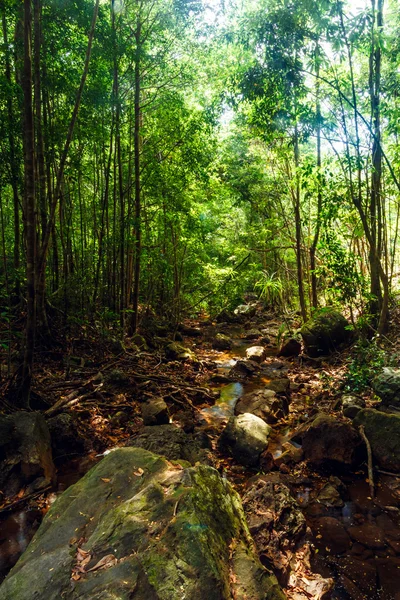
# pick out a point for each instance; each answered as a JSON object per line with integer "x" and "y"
{"x": 387, "y": 386}
{"x": 383, "y": 433}
{"x": 172, "y": 442}
{"x": 25, "y": 453}
{"x": 245, "y": 437}
{"x": 66, "y": 441}
{"x": 330, "y": 442}
{"x": 322, "y": 334}
{"x": 139, "y": 528}
{"x": 264, "y": 404}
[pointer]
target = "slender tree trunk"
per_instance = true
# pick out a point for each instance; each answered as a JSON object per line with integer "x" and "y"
{"x": 297, "y": 218}
{"x": 379, "y": 305}
{"x": 15, "y": 175}
{"x": 313, "y": 248}
{"x": 136, "y": 142}
{"x": 29, "y": 211}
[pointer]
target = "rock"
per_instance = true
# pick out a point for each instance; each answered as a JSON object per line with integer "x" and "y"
{"x": 245, "y": 311}
{"x": 333, "y": 534}
{"x": 290, "y": 348}
{"x": 25, "y": 450}
{"x": 139, "y": 341}
{"x": 368, "y": 535}
{"x": 190, "y": 331}
{"x": 329, "y": 442}
{"x": 65, "y": 437}
{"x": 290, "y": 454}
{"x": 329, "y": 496}
{"x": 221, "y": 342}
{"x": 324, "y": 332}
{"x": 264, "y": 404}
{"x": 383, "y": 433}
{"x": 387, "y": 386}
{"x": 252, "y": 334}
{"x": 256, "y": 353}
{"x": 226, "y": 317}
{"x": 155, "y": 412}
{"x": 117, "y": 378}
{"x": 275, "y": 522}
{"x": 172, "y": 442}
{"x": 279, "y": 386}
{"x": 388, "y": 574}
{"x": 175, "y": 351}
{"x": 351, "y": 406}
{"x": 161, "y": 532}
{"x": 244, "y": 368}
{"x": 245, "y": 437}
{"x": 119, "y": 419}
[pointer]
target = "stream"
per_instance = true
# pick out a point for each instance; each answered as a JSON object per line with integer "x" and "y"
{"x": 356, "y": 539}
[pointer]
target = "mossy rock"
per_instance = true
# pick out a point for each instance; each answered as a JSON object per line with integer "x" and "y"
{"x": 386, "y": 385}
{"x": 383, "y": 433}
{"x": 167, "y": 533}
{"x": 325, "y": 332}
{"x": 175, "y": 351}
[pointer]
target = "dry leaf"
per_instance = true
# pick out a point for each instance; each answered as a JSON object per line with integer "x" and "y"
{"x": 107, "y": 561}
{"x": 105, "y": 480}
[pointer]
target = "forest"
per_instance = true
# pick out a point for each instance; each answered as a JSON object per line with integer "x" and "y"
{"x": 199, "y": 299}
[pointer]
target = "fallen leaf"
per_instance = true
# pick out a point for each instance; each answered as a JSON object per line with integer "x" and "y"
{"x": 105, "y": 480}
{"x": 104, "y": 563}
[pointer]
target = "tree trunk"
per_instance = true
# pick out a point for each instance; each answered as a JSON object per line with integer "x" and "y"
{"x": 29, "y": 211}
{"x": 136, "y": 143}
{"x": 297, "y": 218}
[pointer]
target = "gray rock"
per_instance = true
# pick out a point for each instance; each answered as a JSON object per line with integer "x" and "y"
{"x": 161, "y": 532}
{"x": 264, "y": 404}
{"x": 155, "y": 412}
{"x": 244, "y": 368}
{"x": 221, "y": 342}
{"x": 245, "y": 437}
{"x": 383, "y": 433}
{"x": 328, "y": 441}
{"x": 387, "y": 386}
{"x": 25, "y": 450}
{"x": 172, "y": 442}
{"x": 245, "y": 311}
{"x": 351, "y": 406}
{"x": 324, "y": 332}
{"x": 252, "y": 334}
{"x": 256, "y": 353}
{"x": 279, "y": 386}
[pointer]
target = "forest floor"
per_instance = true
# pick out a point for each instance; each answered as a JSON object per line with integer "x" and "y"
{"x": 103, "y": 385}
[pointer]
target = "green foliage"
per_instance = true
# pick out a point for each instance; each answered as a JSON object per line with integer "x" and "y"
{"x": 270, "y": 288}
{"x": 368, "y": 360}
